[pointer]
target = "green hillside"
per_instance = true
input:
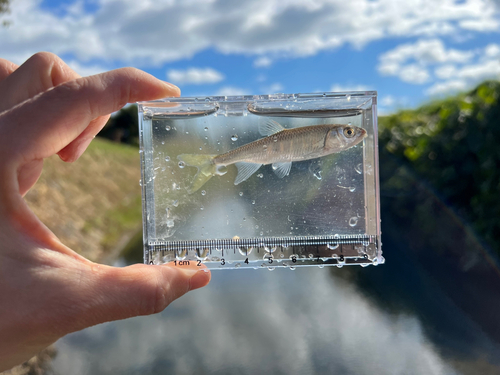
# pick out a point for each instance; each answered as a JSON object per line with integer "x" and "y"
{"x": 94, "y": 204}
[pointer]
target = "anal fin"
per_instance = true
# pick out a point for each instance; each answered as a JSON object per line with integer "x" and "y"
{"x": 245, "y": 170}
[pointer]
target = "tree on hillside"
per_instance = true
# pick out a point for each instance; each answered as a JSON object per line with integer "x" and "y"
{"x": 4, "y": 8}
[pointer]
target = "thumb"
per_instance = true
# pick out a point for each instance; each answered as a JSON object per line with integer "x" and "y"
{"x": 120, "y": 293}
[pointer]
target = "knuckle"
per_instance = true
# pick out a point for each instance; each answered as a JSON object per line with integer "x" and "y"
{"x": 157, "y": 297}
{"x": 44, "y": 59}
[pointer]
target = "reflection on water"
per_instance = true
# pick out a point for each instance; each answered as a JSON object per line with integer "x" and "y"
{"x": 284, "y": 321}
{"x": 431, "y": 309}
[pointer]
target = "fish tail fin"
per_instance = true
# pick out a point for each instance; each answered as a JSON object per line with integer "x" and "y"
{"x": 206, "y": 169}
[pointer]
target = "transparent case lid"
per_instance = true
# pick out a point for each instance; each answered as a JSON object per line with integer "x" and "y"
{"x": 283, "y": 180}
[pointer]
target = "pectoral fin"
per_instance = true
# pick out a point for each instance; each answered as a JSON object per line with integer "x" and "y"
{"x": 245, "y": 170}
{"x": 282, "y": 169}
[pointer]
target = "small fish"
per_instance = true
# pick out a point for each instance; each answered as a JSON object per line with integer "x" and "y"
{"x": 280, "y": 147}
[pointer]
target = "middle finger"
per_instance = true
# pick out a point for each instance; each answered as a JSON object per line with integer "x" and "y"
{"x": 39, "y": 73}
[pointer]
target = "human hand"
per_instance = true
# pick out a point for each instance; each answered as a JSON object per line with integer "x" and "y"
{"x": 46, "y": 289}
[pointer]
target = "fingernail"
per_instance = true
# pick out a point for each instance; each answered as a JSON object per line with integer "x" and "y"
{"x": 199, "y": 279}
{"x": 174, "y": 88}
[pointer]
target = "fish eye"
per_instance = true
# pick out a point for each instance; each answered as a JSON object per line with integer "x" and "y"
{"x": 349, "y": 132}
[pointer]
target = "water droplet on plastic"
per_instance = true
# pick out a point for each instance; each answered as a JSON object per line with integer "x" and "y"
{"x": 167, "y": 158}
{"x": 359, "y": 168}
{"x": 202, "y": 253}
{"x": 353, "y": 221}
{"x": 182, "y": 164}
{"x": 245, "y": 250}
{"x": 203, "y": 192}
{"x": 234, "y": 137}
{"x": 167, "y": 128}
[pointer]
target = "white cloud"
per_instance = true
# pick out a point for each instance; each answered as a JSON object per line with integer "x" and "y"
{"x": 273, "y": 89}
{"x": 196, "y": 76}
{"x": 262, "y": 62}
{"x": 460, "y": 77}
{"x": 232, "y": 91}
{"x": 447, "y": 87}
{"x": 409, "y": 61}
{"x": 413, "y": 73}
{"x": 453, "y": 69}
{"x": 86, "y": 70}
{"x": 151, "y": 33}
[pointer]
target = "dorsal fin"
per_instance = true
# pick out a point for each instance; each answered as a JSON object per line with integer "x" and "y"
{"x": 269, "y": 127}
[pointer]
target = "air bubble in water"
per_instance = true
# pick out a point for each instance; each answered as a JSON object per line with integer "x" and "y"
{"x": 167, "y": 128}
{"x": 203, "y": 192}
{"x": 202, "y": 208}
{"x": 167, "y": 158}
{"x": 260, "y": 175}
{"x": 253, "y": 201}
{"x": 317, "y": 174}
{"x": 241, "y": 194}
{"x": 352, "y": 188}
{"x": 206, "y": 128}
{"x": 234, "y": 137}
{"x": 176, "y": 203}
{"x": 170, "y": 223}
{"x": 353, "y": 221}
{"x": 245, "y": 250}
{"x": 182, "y": 164}
{"x": 332, "y": 246}
{"x": 359, "y": 168}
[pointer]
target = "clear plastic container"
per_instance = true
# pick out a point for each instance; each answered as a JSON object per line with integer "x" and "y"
{"x": 266, "y": 181}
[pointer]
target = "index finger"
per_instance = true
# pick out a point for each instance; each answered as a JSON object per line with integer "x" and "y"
{"x": 42, "y": 126}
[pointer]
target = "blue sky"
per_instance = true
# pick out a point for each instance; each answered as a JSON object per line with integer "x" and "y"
{"x": 409, "y": 51}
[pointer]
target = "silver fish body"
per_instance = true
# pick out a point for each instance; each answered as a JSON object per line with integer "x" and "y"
{"x": 289, "y": 145}
{"x": 280, "y": 148}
